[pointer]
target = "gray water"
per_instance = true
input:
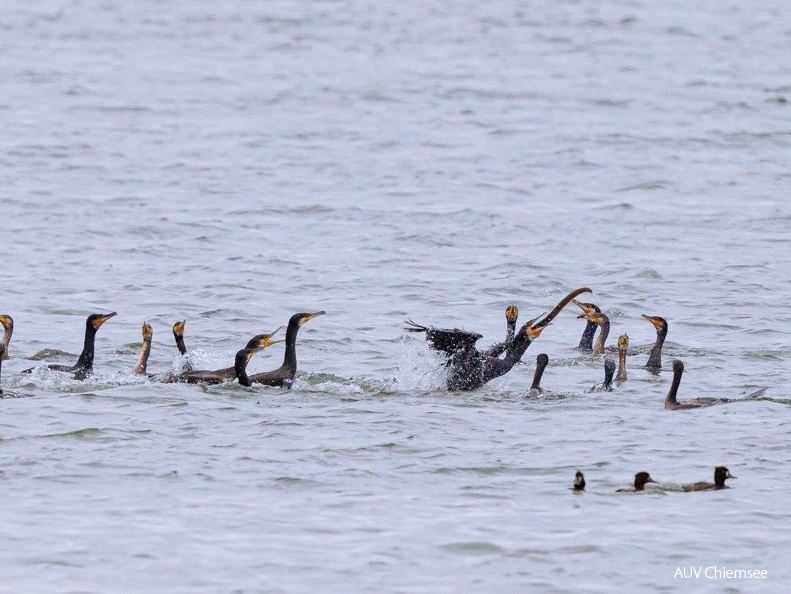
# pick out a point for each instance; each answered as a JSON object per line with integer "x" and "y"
{"x": 234, "y": 163}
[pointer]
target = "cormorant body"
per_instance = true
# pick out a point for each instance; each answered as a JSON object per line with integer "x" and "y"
{"x": 178, "y": 335}
{"x": 609, "y": 371}
{"x": 6, "y": 393}
{"x": 284, "y": 375}
{"x": 84, "y": 365}
{"x": 469, "y": 368}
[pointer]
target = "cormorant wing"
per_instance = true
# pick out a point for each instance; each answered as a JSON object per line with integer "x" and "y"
{"x": 448, "y": 341}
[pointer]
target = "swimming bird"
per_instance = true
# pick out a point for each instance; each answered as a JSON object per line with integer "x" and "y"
{"x": 673, "y": 404}
{"x": 640, "y": 480}
{"x": 586, "y": 341}
{"x": 8, "y": 329}
{"x": 178, "y": 334}
{"x": 255, "y": 344}
{"x": 6, "y": 393}
{"x": 284, "y": 375}
{"x": 623, "y": 347}
{"x": 145, "y": 350}
{"x": 609, "y": 371}
{"x": 579, "y": 482}
{"x": 720, "y": 474}
{"x": 511, "y": 315}
{"x": 601, "y": 320}
{"x": 541, "y": 364}
{"x": 469, "y": 368}
{"x": 84, "y": 365}
{"x": 655, "y": 357}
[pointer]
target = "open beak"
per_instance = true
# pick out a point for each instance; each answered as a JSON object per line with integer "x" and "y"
{"x": 266, "y": 340}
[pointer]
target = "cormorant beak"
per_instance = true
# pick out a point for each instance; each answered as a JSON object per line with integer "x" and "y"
{"x": 655, "y": 321}
{"x": 266, "y": 340}
{"x": 585, "y": 309}
{"x": 511, "y": 313}
{"x": 147, "y": 332}
{"x": 591, "y": 317}
{"x": 102, "y": 319}
{"x": 178, "y": 327}
{"x": 308, "y": 317}
{"x": 623, "y": 341}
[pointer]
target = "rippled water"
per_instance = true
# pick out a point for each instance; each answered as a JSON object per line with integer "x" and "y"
{"x": 233, "y": 163}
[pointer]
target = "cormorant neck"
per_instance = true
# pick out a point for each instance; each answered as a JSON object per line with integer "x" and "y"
{"x": 540, "y": 366}
{"x": 670, "y": 400}
{"x": 142, "y": 361}
{"x": 586, "y": 342}
{"x": 655, "y": 358}
{"x": 180, "y": 343}
{"x": 290, "y": 357}
{"x": 240, "y": 366}
{"x": 621, "y": 377}
{"x": 510, "y": 330}
{"x": 605, "y": 331}
{"x": 85, "y": 362}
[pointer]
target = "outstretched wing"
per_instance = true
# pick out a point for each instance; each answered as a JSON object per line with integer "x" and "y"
{"x": 447, "y": 341}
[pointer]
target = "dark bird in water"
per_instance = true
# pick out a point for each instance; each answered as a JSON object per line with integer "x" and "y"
{"x": 469, "y": 368}
{"x": 284, "y": 375}
{"x": 579, "y": 482}
{"x": 541, "y": 364}
{"x": 601, "y": 320}
{"x": 178, "y": 334}
{"x": 623, "y": 347}
{"x": 720, "y": 474}
{"x": 609, "y": 371}
{"x": 655, "y": 357}
{"x": 218, "y": 376}
{"x": 6, "y": 393}
{"x": 145, "y": 350}
{"x": 8, "y": 329}
{"x": 640, "y": 480}
{"x": 511, "y": 314}
{"x": 673, "y": 404}
{"x": 586, "y": 342}
{"x": 84, "y": 365}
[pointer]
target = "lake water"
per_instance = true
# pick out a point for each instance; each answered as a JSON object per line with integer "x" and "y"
{"x": 234, "y": 163}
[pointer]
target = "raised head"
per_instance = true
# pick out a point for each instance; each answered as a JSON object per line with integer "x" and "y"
{"x": 262, "y": 341}
{"x": 95, "y": 321}
{"x": 623, "y": 342}
{"x": 147, "y": 331}
{"x": 178, "y": 328}
{"x": 511, "y": 313}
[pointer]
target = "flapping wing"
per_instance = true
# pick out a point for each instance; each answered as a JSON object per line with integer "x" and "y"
{"x": 447, "y": 341}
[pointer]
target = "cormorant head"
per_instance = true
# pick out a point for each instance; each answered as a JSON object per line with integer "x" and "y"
{"x": 147, "y": 332}
{"x": 96, "y": 320}
{"x": 623, "y": 342}
{"x": 178, "y": 328}
{"x": 262, "y": 341}
{"x": 659, "y": 323}
{"x": 7, "y": 322}
{"x": 532, "y": 330}
{"x": 542, "y": 360}
{"x": 587, "y": 308}
{"x": 678, "y": 367}
{"x": 596, "y": 317}
{"x": 301, "y": 318}
{"x": 511, "y": 313}
{"x": 640, "y": 480}
{"x": 579, "y": 481}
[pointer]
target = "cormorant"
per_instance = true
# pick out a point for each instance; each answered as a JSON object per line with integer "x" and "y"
{"x": 720, "y": 474}
{"x": 541, "y": 364}
{"x": 283, "y": 376}
{"x": 655, "y": 357}
{"x": 145, "y": 350}
{"x": 511, "y": 314}
{"x": 623, "y": 347}
{"x": 586, "y": 341}
{"x": 178, "y": 334}
{"x": 84, "y": 365}
{"x": 469, "y": 368}
{"x": 8, "y": 329}
{"x": 640, "y": 480}
{"x": 255, "y": 344}
{"x": 603, "y": 322}
{"x": 673, "y": 404}
{"x": 609, "y": 371}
